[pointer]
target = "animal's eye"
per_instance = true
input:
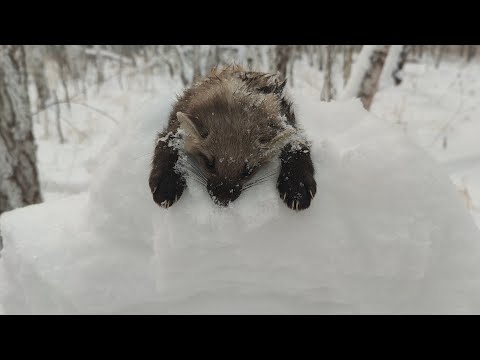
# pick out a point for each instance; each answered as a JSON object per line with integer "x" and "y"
{"x": 247, "y": 170}
{"x": 265, "y": 139}
{"x": 209, "y": 163}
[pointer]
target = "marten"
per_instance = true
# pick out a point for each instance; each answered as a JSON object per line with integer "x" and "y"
{"x": 224, "y": 129}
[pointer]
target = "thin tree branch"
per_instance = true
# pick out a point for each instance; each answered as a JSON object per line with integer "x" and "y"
{"x": 81, "y": 104}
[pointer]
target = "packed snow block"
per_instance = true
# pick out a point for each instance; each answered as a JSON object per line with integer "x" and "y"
{"x": 386, "y": 233}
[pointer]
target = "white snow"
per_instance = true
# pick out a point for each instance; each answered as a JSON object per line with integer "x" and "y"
{"x": 386, "y": 233}
{"x": 66, "y": 169}
{"x": 3, "y": 286}
{"x": 439, "y": 110}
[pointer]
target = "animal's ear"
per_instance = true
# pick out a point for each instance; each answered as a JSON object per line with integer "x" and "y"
{"x": 192, "y": 125}
{"x": 275, "y": 86}
{"x": 283, "y": 135}
{"x": 274, "y": 140}
{"x": 281, "y": 86}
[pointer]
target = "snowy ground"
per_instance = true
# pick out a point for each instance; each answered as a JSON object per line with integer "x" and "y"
{"x": 66, "y": 169}
{"x": 397, "y": 245}
{"x": 440, "y": 111}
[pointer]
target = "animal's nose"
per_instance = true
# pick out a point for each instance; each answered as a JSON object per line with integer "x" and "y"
{"x": 224, "y": 193}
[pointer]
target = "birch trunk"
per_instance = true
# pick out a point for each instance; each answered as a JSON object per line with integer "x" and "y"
{"x": 19, "y": 184}
{"x": 392, "y": 73}
{"x": 366, "y": 73}
{"x": 282, "y": 57}
{"x": 328, "y": 91}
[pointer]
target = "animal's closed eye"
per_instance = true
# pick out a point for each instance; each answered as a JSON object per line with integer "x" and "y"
{"x": 265, "y": 139}
{"x": 247, "y": 170}
{"x": 209, "y": 163}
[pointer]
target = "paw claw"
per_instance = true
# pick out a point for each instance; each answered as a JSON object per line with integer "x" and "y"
{"x": 166, "y": 190}
{"x": 297, "y": 191}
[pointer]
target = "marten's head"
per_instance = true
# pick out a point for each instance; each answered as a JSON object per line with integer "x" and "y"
{"x": 231, "y": 131}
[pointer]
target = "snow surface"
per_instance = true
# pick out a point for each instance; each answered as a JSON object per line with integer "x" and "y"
{"x": 439, "y": 110}
{"x": 386, "y": 233}
{"x": 67, "y": 169}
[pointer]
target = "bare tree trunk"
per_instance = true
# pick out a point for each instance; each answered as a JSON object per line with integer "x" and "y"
{"x": 392, "y": 73}
{"x": 328, "y": 90}
{"x": 75, "y": 58}
{"x": 321, "y": 57}
{"x": 441, "y": 51}
{"x": 212, "y": 58}
{"x": 181, "y": 61}
{"x": 19, "y": 184}
{"x": 472, "y": 49}
{"x": 347, "y": 62}
{"x": 398, "y": 72}
{"x": 36, "y": 56}
{"x": 372, "y": 76}
{"x": 366, "y": 74}
{"x": 120, "y": 74}
{"x": 99, "y": 64}
{"x": 310, "y": 50}
{"x": 197, "y": 72}
{"x": 60, "y": 56}
{"x": 294, "y": 54}
{"x": 282, "y": 57}
{"x": 260, "y": 58}
{"x": 36, "y": 63}
{"x": 291, "y": 68}
{"x": 63, "y": 77}
{"x": 61, "y": 138}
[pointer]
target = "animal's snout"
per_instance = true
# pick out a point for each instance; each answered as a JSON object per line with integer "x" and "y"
{"x": 224, "y": 193}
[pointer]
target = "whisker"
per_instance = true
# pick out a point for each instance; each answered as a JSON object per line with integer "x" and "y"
{"x": 193, "y": 170}
{"x": 196, "y": 179}
{"x": 264, "y": 177}
{"x": 203, "y": 181}
{"x": 248, "y": 186}
{"x": 269, "y": 171}
{"x": 142, "y": 156}
{"x": 194, "y": 164}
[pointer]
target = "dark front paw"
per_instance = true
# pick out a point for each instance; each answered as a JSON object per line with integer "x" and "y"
{"x": 296, "y": 190}
{"x": 296, "y": 183}
{"x": 167, "y": 189}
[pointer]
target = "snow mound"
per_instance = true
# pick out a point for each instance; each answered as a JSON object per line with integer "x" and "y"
{"x": 386, "y": 233}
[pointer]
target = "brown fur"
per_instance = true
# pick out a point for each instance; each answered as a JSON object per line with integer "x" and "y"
{"x": 234, "y": 122}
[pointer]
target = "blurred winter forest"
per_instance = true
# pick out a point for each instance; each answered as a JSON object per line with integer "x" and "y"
{"x": 59, "y": 102}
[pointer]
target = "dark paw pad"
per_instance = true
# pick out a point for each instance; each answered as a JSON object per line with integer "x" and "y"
{"x": 296, "y": 190}
{"x": 166, "y": 190}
